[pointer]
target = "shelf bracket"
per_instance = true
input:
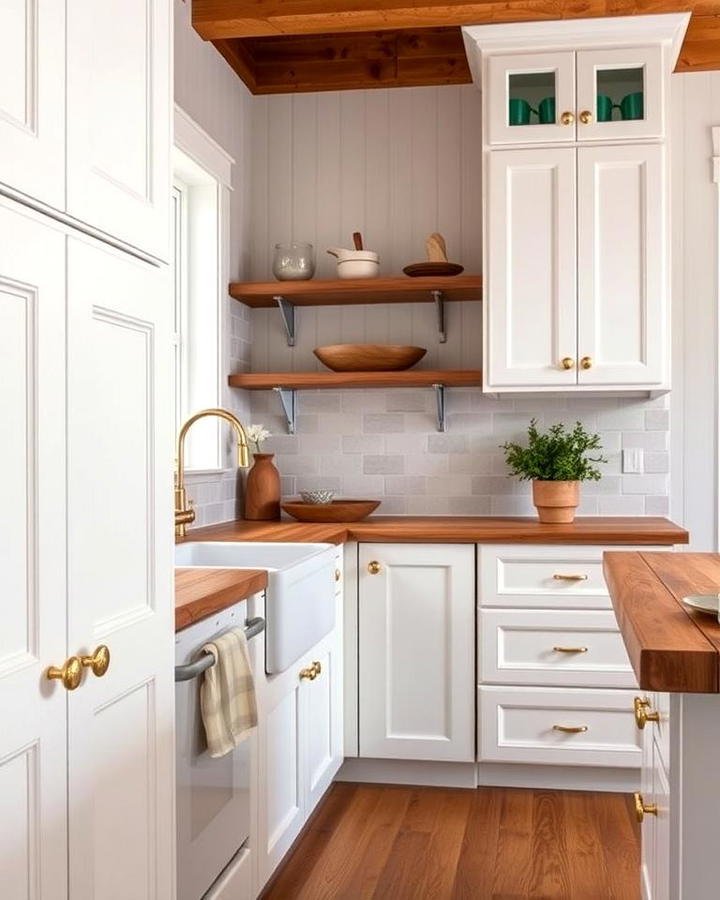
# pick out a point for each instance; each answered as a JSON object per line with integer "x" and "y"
{"x": 440, "y": 399}
{"x": 439, "y": 299}
{"x": 287, "y": 398}
{"x": 287, "y": 311}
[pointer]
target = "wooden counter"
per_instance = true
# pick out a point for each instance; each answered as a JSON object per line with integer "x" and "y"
{"x": 671, "y": 647}
{"x": 200, "y": 593}
{"x": 455, "y": 529}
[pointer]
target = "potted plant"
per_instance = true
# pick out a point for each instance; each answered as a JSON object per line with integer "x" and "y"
{"x": 556, "y": 462}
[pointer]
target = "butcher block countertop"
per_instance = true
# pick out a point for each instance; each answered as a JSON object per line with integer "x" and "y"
{"x": 200, "y": 593}
{"x": 455, "y": 529}
{"x": 671, "y": 647}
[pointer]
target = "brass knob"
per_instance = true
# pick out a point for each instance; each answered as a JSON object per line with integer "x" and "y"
{"x": 308, "y": 674}
{"x": 642, "y": 809}
{"x": 99, "y": 662}
{"x": 374, "y": 567}
{"x": 567, "y": 118}
{"x": 567, "y": 362}
{"x": 642, "y": 713}
{"x": 586, "y": 362}
{"x": 70, "y": 673}
{"x": 571, "y": 729}
{"x": 338, "y": 574}
{"x": 586, "y": 117}
{"x": 317, "y": 667}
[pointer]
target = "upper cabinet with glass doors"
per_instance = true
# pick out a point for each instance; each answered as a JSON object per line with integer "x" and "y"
{"x": 574, "y": 81}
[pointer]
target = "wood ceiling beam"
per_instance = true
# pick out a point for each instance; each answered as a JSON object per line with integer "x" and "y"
{"x": 217, "y": 19}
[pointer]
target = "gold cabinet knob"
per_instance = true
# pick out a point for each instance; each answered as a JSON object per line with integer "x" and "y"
{"x": 308, "y": 674}
{"x": 642, "y": 808}
{"x": 586, "y": 117}
{"x": 586, "y": 362}
{"x": 338, "y": 574}
{"x": 567, "y": 118}
{"x": 571, "y": 729}
{"x": 70, "y": 673}
{"x": 374, "y": 567}
{"x": 99, "y": 662}
{"x": 317, "y": 667}
{"x": 643, "y": 715}
{"x": 567, "y": 362}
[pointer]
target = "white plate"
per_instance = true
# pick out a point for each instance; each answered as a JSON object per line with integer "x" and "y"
{"x": 707, "y": 603}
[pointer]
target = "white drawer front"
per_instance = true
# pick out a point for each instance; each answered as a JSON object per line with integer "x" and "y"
{"x": 578, "y": 648}
{"x": 519, "y": 725}
{"x": 562, "y": 577}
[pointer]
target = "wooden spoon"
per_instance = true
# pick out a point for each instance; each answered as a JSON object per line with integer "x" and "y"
{"x": 357, "y": 240}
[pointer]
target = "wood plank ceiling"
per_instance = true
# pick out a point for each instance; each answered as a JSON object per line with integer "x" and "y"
{"x": 282, "y": 46}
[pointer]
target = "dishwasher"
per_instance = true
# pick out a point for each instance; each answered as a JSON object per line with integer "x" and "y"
{"x": 212, "y": 795}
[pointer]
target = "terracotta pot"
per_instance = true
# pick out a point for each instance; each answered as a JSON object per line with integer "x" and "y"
{"x": 262, "y": 491}
{"x": 556, "y": 501}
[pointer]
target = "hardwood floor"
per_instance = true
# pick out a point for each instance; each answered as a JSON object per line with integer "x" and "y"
{"x": 408, "y": 843}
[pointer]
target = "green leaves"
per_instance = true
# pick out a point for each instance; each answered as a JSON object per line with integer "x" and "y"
{"x": 557, "y": 455}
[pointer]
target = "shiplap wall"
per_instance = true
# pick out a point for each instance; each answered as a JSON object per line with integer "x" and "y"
{"x": 398, "y": 165}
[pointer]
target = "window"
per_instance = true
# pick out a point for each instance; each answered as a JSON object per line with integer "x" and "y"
{"x": 201, "y": 175}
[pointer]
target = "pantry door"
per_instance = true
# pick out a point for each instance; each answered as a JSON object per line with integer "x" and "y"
{"x": 33, "y": 834}
{"x": 120, "y": 536}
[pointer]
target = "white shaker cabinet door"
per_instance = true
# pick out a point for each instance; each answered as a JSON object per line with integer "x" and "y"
{"x": 623, "y": 328}
{"x": 33, "y": 834}
{"x": 118, "y": 114}
{"x": 121, "y": 745}
{"x": 530, "y": 300}
{"x": 32, "y": 99}
{"x": 416, "y": 651}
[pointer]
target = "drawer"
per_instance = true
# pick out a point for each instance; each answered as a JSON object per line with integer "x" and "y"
{"x": 522, "y": 725}
{"x": 577, "y": 647}
{"x": 563, "y": 577}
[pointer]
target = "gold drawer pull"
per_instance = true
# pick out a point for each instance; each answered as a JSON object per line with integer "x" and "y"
{"x": 70, "y": 673}
{"x": 570, "y": 577}
{"x": 571, "y": 729}
{"x": 570, "y": 649}
{"x": 567, "y": 362}
{"x": 98, "y": 662}
{"x": 642, "y": 808}
{"x": 643, "y": 715}
{"x": 312, "y": 671}
{"x": 374, "y": 567}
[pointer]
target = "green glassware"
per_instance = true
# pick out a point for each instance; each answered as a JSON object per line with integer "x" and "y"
{"x": 604, "y": 108}
{"x": 632, "y": 106}
{"x": 519, "y": 112}
{"x": 546, "y": 111}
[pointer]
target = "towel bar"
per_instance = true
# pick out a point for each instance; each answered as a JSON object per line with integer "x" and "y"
{"x": 252, "y": 628}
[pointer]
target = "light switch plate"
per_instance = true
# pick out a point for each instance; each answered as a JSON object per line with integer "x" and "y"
{"x": 632, "y": 460}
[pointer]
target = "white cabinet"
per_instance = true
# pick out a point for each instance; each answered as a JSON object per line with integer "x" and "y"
{"x": 32, "y": 99}
{"x": 300, "y": 746}
{"x": 118, "y": 119}
{"x": 416, "y": 651}
{"x": 87, "y": 557}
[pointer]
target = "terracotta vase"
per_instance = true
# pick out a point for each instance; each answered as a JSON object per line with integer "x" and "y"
{"x": 262, "y": 491}
{"x": 556, "y": 501}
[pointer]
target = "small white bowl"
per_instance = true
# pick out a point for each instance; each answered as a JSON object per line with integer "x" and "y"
{"x": 358, "y": 264}
{"x": 317, "y": 498}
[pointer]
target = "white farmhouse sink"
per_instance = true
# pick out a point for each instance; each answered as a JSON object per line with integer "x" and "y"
{"x": 300, "y": 605}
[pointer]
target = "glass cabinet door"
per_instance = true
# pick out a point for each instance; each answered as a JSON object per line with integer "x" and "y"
{"x": 532, "y": 98}
{"x": 619, "y": 93}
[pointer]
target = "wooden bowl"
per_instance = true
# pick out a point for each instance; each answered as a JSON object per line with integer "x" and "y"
{"x": 433, "y": 269}
{"x": 337, "y": 511}
{"x": 369, "y": 357}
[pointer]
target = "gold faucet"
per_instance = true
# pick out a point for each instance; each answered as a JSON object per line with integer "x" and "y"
{"x": 184, "y": 513}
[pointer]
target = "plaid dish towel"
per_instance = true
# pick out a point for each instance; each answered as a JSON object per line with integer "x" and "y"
{"x": 227, "y": 693}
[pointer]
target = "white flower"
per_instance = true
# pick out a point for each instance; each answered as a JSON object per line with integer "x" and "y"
{"x": 257, "y": 434}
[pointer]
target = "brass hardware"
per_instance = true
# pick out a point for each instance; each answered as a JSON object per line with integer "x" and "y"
{"x": 311, "y": 672}
{"x": 70, "y": 673}
{"x": 642, "y": 808}
{"x": 374, "y": 567}
{"x": 570, "y": 649}
{"x": 567, "y": 118}
{"x": 338, "y": 574}
{"x": 99, "y": 662}
{"x": 571, "y": 729}
{"x": 570, "y": 577}
{"x": 567, "y": 362}
{"x": 586, "y": 362}
{"x": 642, "y": 713}
{"x": 586, "y": 117}
{"x": 184, "y": 514}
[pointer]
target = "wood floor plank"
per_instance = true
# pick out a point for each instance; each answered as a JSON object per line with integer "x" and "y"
{"x": 372, "y": 842}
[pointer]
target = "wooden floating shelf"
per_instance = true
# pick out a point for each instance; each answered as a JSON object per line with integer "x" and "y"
{"x": 347, "y": 292}
{"x": 258, "y": 381}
